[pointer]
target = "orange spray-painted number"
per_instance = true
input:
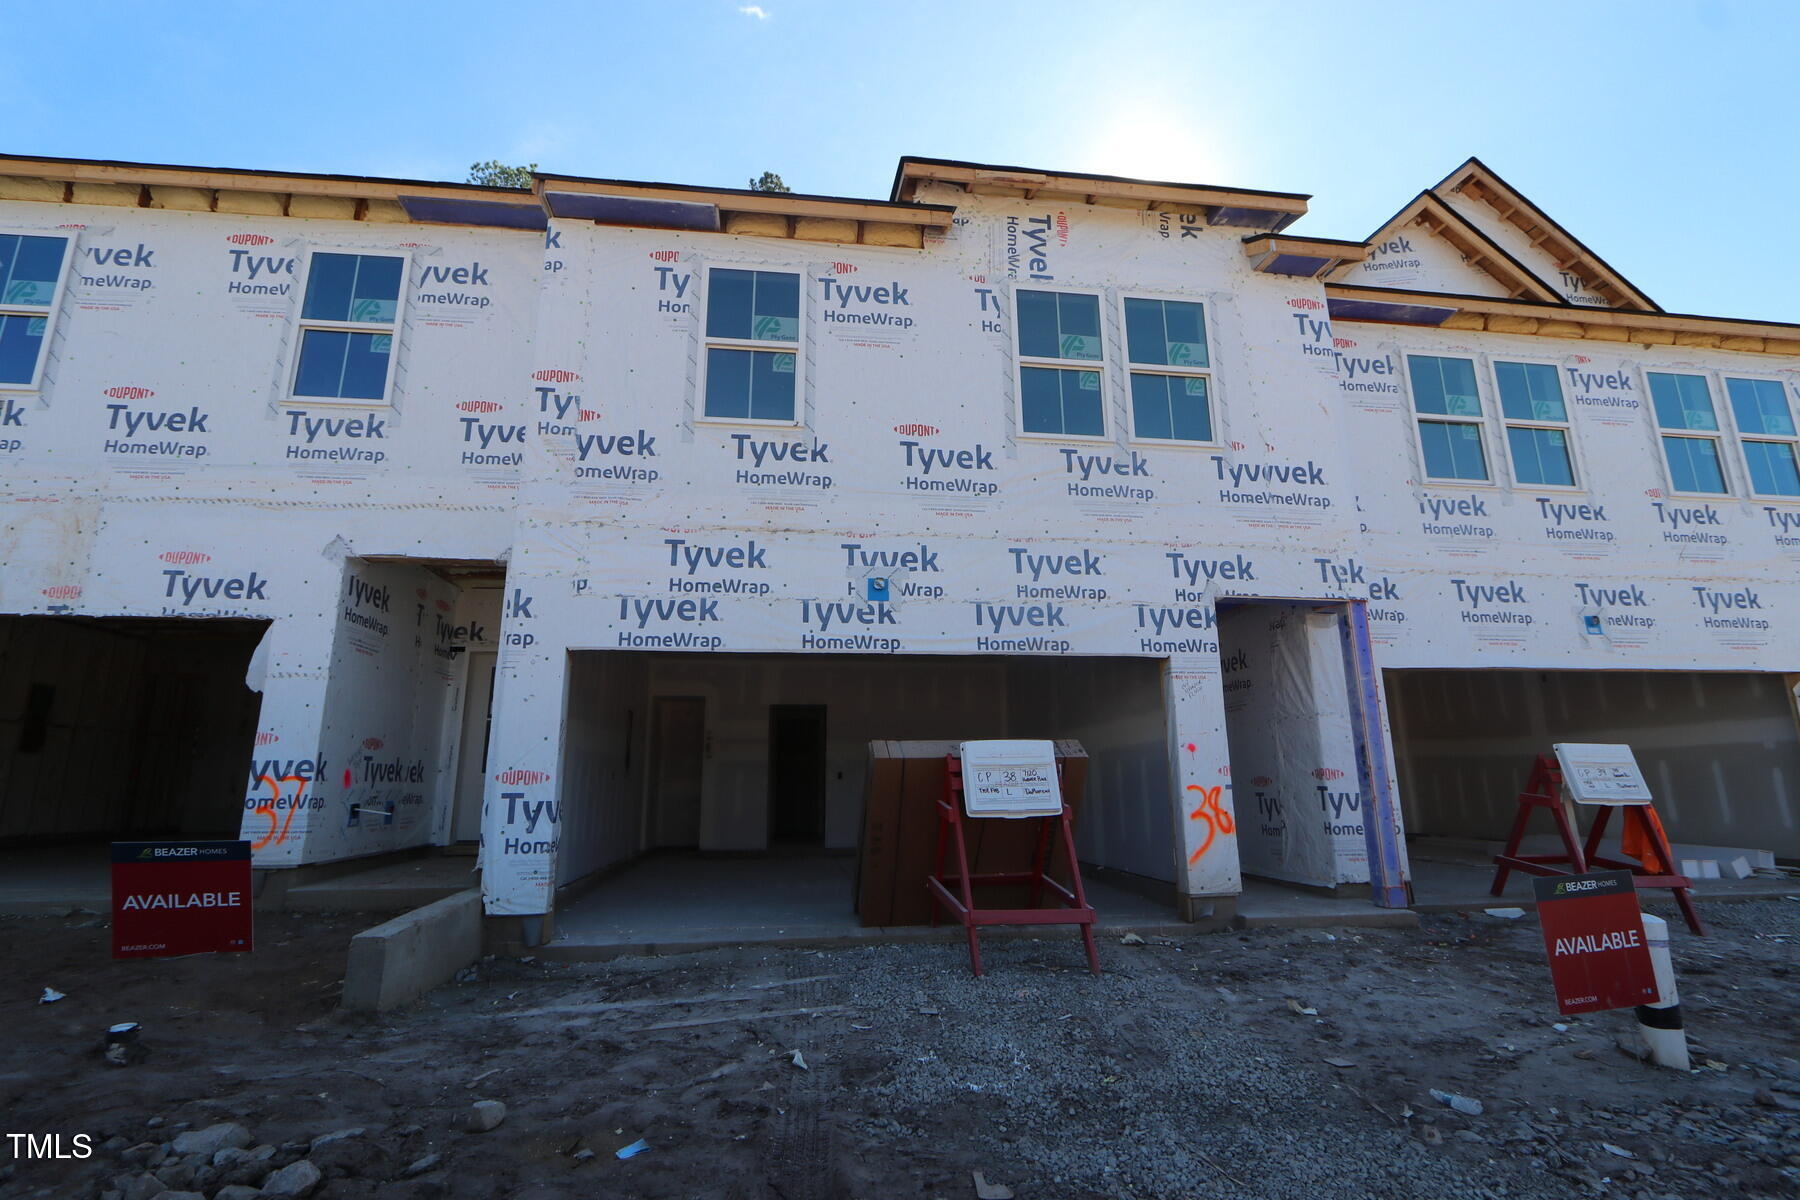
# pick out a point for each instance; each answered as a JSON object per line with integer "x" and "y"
{"x": 1212, "y": 811}
{"x": 278, "y": 828}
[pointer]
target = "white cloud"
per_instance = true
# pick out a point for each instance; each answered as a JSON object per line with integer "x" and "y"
{"x": 755, "y": 10}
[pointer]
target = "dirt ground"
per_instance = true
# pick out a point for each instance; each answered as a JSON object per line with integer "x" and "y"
{"x": 1182, "y": 1072}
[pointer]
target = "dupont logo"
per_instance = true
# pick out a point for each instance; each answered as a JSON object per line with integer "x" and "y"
{"x": 1306, "y": 302}
{"x": 443, "y": 606}
{"x": 72, "y": 226}
{"x": 128, "y": 393}
{"x": 917, "y": 430}
{"x": 266, "y": 737}
{"x": 588, "y": 414}
{"x": 516, "y": 777}
{"x": 978, "y": 279}
{"x": 843, "y": 268}
{"x": 185, "y": 557}
{"x": 64, "y": 591}
{"x": 480, "y": 406}
{"x": 421, "y": 593}
{"x": 373, "y": 743}
{"x": 1343, "y": 343}
{"x": 665, "y": 255}
{"x": 1580, "y": 358}
{"x": 1261, "y": 781}
{"x": 1327, "y": 773}
{"x": 551, "y": 375}
{"x": 249, "y": 239}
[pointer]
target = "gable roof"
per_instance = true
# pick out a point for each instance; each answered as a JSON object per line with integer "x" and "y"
{"x": 1476, "y": 179}
{"x": 1483, "y": 252}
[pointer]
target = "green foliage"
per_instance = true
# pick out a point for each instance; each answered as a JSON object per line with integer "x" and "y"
{"x": 770, "y": 182}
{"x": 494, "y": 173}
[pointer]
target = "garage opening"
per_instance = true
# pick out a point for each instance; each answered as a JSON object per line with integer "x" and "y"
{"x": 723, "y": 794}
{"x": 116, "y": 728}
{"x": 1720, "y": 751}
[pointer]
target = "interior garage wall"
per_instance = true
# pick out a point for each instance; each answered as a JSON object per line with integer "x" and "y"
{"x": 1114, "y": 708}
{"x": 604, "y": 750}
{"x": 1719, "y": 750}
{"x": 149, "y": 728}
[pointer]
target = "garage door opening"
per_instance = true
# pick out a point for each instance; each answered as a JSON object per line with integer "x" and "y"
{"x": 1720, "y": 751}
{"x": 119, "y": 729}
{"x": 721, "y": 795}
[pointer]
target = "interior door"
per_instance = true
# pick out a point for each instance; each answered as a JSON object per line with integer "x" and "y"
{"x": 471, "y": 759}
{"x": 677, "y": 748}
{"x": 797, "y": 773}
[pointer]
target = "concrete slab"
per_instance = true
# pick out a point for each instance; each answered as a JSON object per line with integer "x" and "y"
{"x": 668, "y": 904}
{"x": 400, "y": 960}
{"x": 54, "y": 880}
{"x": 389, "y": 887}
{"x": 1266, "y": 904}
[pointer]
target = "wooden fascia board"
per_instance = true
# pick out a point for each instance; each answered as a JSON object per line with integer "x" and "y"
{"x": 1274, "y": 243}
{"x": 1579, "y": 314}
{"x": 933, "y": 216}
{"x": 236, "y": 181}
{"x": 1486, "y": 254}
{"x": 973, "y": 177}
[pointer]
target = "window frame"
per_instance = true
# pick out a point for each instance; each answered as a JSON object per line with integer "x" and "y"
{"x": 303, "y": 323}
{"x": 1480, "y": 421}
{"x": 797, "y": 348}
{"x": 1740, "y": 437}
{"x": 1566, "y": 425}
{"x": 1716, "y": 436}
{"x": 1100, "y": 366}
{"x": 71, "y": 251}
{"x": 1208, "y": 372}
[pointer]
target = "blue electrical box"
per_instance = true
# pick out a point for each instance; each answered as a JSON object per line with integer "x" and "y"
{"x": 878, "y": 589}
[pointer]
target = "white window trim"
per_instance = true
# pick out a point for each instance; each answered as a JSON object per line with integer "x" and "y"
{"x": 302, "y": 324}
{"x": 1208, "y": 373}
{"x": 71, "y": 252}
{"x": 1099, "y": 366}
{"x": 1480, "y": 422}
{"x": 797, "y": 348}
{"x": 1717, "y": 437}
{"x": 1740, "y": 437}
{"x": 1566, "y": 425}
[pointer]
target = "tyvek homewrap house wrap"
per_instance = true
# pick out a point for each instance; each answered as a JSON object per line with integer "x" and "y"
{"x": 1327, "y": 472}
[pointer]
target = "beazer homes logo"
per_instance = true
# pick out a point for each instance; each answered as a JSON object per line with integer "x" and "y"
{"x": 185, "y": 557}
{"x": 555, "y": 375}
{"x": 249, "y": 239}
{"x": 518, "y": 778}
{"x": 128, "y": 393}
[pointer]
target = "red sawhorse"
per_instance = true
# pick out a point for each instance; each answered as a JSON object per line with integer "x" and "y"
{"x": 1071, "y": 908}
{"x": 1544, "y": 789}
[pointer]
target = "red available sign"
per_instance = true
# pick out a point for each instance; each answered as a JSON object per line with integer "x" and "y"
{"x": 1594, "y": 938}
{"x": 172, "y": 898}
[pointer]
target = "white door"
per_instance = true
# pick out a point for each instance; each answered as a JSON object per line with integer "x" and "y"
{"x": 471, "y": 763}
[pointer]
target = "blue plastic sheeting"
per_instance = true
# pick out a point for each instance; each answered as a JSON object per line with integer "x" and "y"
{"x": 475, "y": 212}
{"x": 1295, "y": 264}
{"x": 1382, "y": 310}
{"x": 632, "y": 210}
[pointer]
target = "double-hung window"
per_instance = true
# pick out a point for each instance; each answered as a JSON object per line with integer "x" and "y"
{"x": 31, "y": 269}
{"x": 1171, "y": 377}
{"x": 1765, "y": 426}
{"x": 1537, "y": 423}
{"x": 348, "y": 318}
{"x": 1448, "y": 408}
{"x": 1689, "y": 428}
{"x": 1060, "y": 360}
{"x": 752, "y": 345}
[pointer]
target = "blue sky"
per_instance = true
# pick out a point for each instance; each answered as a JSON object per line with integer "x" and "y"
{"x": 1660, "y": 132}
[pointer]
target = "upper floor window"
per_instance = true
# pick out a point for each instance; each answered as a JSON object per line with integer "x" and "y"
{"x": 1173, "y": 399}
{"x": 30, "y": 273}
{"x": 1448, "y": 408}
{"x": 1689, "y": 431}
{"x": 348, "y": 319}
{"x": 1537, "y": 423}
{"x": 1765, "y": 425}
{"x": 1060, "y": 356}
{"x": 752, "y": 345}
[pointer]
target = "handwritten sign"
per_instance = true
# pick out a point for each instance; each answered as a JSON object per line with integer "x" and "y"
{"x": 1010, "y": 779}
{"x": 1601, "y": 774}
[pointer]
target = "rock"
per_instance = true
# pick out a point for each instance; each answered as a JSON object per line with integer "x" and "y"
{"x": 294, "y": 1180}
{"x": 138, "y": 1153}
{"x": 212, "y": 1139}
{"x": 175, "y": 1175}
{"x": 182, "y": 1196}
{"x": 153, "y": 1123}
{"x": 114, "y": 1144}
{"x": 237, "y": 1191}
{"x": 420, "y": 1166}
{"x": 139, "y": 1187}
{"x": 229, "y": 1155}
{"x": 485, "y": 1115}
{"x": 341, "y": 1135}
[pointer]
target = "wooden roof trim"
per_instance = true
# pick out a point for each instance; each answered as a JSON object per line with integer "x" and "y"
{"x": 221, "y": 179}
{"x": 785, "y": 204}
{"x": 1485, "y": 254}
{"x": 1585, "y": 321}
{"x": 1476, "y": 179}
{"x": 1086, "y": 189}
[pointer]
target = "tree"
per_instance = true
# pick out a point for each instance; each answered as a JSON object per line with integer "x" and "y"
{"x": 770, "y": 182}
{"x": 494, "y": 173}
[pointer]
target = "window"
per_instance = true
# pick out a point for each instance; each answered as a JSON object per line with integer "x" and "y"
{"x": 1690, "y": 427}
{"x": 347, "y": 324}
{"x": 1059, "y": 363}
{"x": 1449, "y": 411}
{"x": 1173, "y": 401}
{"x": 752, "y": 345}
{"x": 1765, "y": 425}
{"x": 1537, "y": 423}
{"x": 30, "y": 274}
